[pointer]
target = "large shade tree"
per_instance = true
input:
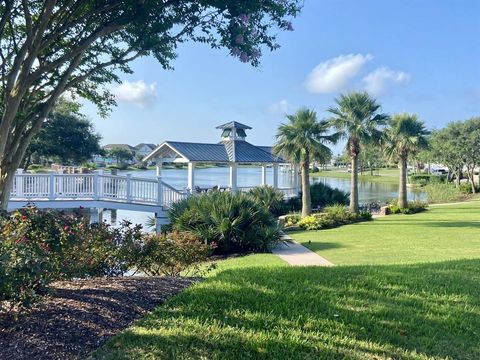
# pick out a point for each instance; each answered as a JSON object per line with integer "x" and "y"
{"x": 302, "y": 140}
{"x": 357, "y": 118}
{"x": 405, "y": 136}
{"x": 67, "y": 136}
{"x": 51, "y": 46}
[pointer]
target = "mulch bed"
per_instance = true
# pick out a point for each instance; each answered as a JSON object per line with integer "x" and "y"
{"x": 79, "y": 316}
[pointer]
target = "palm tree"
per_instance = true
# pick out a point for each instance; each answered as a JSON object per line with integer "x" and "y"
{"x": 301, "y": 141}
{"x": 405, "y": 136}
{"x": 358, "y": 120}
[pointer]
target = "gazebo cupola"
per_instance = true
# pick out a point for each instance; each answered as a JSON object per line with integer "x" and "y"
{"x": 233, "y": 131}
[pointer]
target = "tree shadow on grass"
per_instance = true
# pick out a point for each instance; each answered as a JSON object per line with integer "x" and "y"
{"x": 399, "y": 311}
{"x": 315, "y": 245}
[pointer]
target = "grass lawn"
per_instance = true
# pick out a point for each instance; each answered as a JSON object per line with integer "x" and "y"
{"x": 389, "y": 176}
{"x": 444, "y": 232}
{"x": 257, "y": 307}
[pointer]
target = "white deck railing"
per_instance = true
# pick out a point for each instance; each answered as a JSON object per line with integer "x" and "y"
{"x": 114, "y": 188}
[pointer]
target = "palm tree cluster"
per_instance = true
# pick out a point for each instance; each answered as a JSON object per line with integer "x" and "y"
{"x": 356, "y": 118}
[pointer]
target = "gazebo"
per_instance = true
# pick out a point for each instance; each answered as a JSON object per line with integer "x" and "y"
{"x": 232, "y": 149}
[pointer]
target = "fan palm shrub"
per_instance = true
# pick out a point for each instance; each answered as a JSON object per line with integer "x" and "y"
{"x": 270, "y": 198}
{"x": 357, "y": 118}
{"x": 226, "y": 220}
{"x": 302, "y": 140}
{"x": 405, "y": 136}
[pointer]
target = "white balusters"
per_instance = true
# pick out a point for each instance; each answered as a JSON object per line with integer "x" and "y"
{"x": 95, "y": 186}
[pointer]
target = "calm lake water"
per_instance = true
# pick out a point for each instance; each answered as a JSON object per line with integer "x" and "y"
{"x": 251, "y": 176}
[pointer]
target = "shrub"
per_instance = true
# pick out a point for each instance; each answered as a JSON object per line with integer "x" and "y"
{"x": 310, "y": 223}
{"x": 466, "y": 188}
{"x": 425, "y": 179}
{"x": 169, "y": 254}
{"x": 38, "y": 248}
{"x": 233, "y": 221}
{"x": 270, "y": 198}
{"x": 333, "y": 216}
{"x": 324, "y": 195}
{"x": 412, "y": 208}
{"x": 292, "y": 219}
{"x": 441, "y": 193}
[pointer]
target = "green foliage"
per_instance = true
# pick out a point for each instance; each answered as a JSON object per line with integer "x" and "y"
{"x": 413, "y": 207}
{"x": 321, "y": 195}
{"x": 67, "y": 137}
{"x": 358, "y": 119}
{"x": 230, "y": 221}
{"x": 292, "y": 219}
{"x": 302, "y": 140}
{"x": 443, "y": 193}
{"x": 324, "y": 195}
{"x": 406, "y": 135}
{"x": 169, "y": 254}
{"x": 37, "y": 248}
{"x": 466, "y": 188}
{"x": 332, "y": 216}
{"x": 270, "y": 198}
{"x": 121, "y": 155}
{"x": 425, "y": 179}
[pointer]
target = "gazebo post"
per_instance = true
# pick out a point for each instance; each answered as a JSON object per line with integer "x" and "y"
{"x": 233, "y": 177}
{"x": 295, "y": 178}
{"x": 264, "y": 175}
{"x": 158, "y": 166}
{"x": 275, "y": 176}
{"x": 191, "y": 176}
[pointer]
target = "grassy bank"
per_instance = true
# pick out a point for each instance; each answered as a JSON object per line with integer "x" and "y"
{"x": 426, "y": 311}
{"x": 441, "y": 233}
{"x": 389, "y": 176}
{"x": 415, "y": 303}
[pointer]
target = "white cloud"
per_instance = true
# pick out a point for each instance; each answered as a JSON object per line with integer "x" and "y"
{"x": 279, "y": 107}
{"x": 381, "y": 80}
{"x": 334, "y": 74}
{"x": 136, "y": 92}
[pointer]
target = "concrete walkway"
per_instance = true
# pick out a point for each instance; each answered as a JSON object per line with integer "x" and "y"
{"x": 298, "y": 255}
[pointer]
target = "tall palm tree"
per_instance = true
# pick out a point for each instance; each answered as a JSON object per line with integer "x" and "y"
{"x": 405, "y": 136}
{"x": 357, "y": 119}
{"x": 301, "y": 140}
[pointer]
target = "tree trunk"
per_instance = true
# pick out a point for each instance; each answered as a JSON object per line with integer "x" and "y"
{"x": 354, "y": 186}
{"x": 26, "y": 162}
{"x": 6, "y": 181}
{"x": 459, "y": 175}
{"x": 472, "y": 180}
{"x": 306, "y": 198}
{"x": 402, "y": 187}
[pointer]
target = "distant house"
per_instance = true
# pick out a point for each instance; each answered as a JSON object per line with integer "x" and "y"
{"x": 143, "y": 149}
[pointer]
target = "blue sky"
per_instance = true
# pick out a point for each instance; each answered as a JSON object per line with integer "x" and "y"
{"x": 419, "y": 56}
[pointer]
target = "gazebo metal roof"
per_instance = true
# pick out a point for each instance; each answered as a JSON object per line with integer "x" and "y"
{"x": 229, "y": 150}
{"x": 236, "y": 151}
{"x": 233, "y": 124}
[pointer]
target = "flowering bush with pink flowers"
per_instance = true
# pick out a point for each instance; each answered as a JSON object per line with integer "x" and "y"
{"x": 39, "y": 247}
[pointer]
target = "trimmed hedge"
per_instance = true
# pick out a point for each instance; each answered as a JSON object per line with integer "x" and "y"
{"x": 331, "y": 217}
{"x": 426, "y": 179}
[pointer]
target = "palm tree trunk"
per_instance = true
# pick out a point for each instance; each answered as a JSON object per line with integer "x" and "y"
{"x": 354, "y": 186}
{"x": 306, "y": 198}
{"x": 402, "y": 187}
